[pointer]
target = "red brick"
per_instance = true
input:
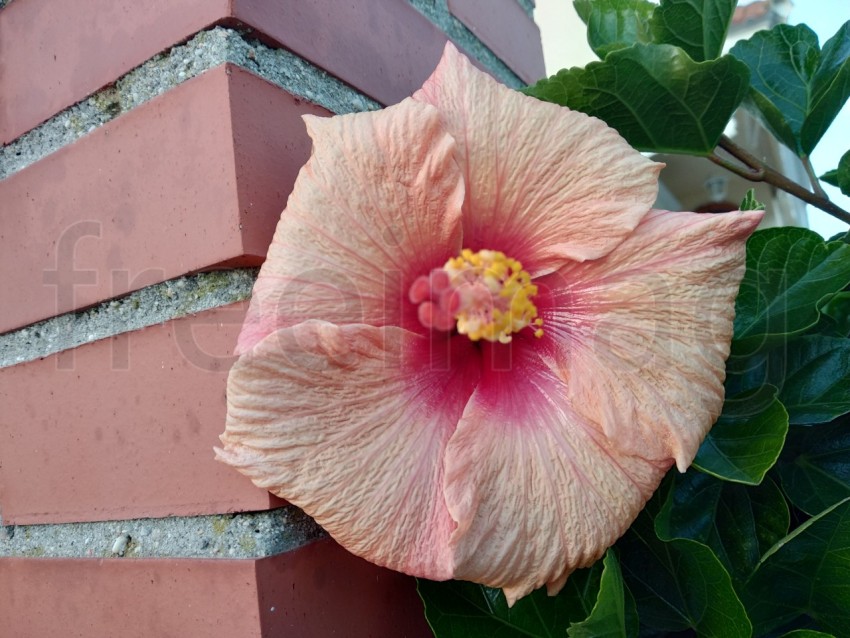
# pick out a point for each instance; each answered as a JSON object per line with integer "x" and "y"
{"x": 106, "y": 598}
{"x": 193, "y": 179}
{"x": 504, "y": 26}
{"x": 316, "y": 591}
{"x": 123, "y": 427}
{"x": 384, "y": 48}
{"x": 54, "y": 54}
{"x": 321, "y": 590}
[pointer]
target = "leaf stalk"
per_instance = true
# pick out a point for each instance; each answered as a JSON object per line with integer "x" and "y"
{"x": 755, "y": 170}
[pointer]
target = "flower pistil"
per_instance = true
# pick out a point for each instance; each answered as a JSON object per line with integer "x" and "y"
{"x": 484, "y": 295}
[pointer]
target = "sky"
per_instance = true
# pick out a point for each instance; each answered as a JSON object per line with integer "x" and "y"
{"x": 825, "y": 17}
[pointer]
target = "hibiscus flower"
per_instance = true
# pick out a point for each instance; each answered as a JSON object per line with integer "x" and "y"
{"x": 474, "y": 350}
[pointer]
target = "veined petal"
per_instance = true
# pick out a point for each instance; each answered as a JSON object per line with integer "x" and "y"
{"x": 544, "y": 184}
{"x": 350, "y": 423}
{"x": 377, "y": 205}
{"x": 640, "y": 337}
{"x": 537, "y": 491}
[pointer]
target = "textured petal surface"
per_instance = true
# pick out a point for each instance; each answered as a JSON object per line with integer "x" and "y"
{"x": 350, "y": 424}
{"x": 640, "y": 337}
{"x": 543, "y": 183}
{"x": 537, "y": 491}
{"x": 377, "y": 205}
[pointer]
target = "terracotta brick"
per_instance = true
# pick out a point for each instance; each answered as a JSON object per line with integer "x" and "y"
{"x": 384, "y": 48}
{"x": 507, "y": 30}
{"x": 123, "y": 427}
{"x": 91, "y": 598}
{"x": 321, "y": 590}
{"x": 193, "y": 179}
{"x": 53, "y": 55}
{"x": 313, "y": 592}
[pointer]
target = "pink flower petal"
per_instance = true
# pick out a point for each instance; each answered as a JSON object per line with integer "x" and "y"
{"x": 351, "y": 423}
{"x": 377, "y": 205}
{"x": 640, "y": 337}
{"x": 544, "y": 184}
{"x": 537, "y": 491}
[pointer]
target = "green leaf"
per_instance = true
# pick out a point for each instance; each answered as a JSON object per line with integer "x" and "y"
{"x": 806, "y": 633}
{"x": 614, "y": 613}
{"x": 697, "y": 26}
{"x": 782, "y": 63}
{"x": 796, "y": 89}
{"x": 805, "y": 573}
{"x": 750, "y": 202}
{"x": 836, "y": 310}
{"x": 789, "y": 270}
{"x": 816, "y": 374}
{"x": 459, "y": 609}
{"x": 813, "y": 375}
{"x": 840, "y": 176}
{"x": 830, "y": 88}
{"x": 654, "y": 95}
{"x": 680, "y": 584}
{"x": 738, "y": 523}
{"x": 747, "y": 438}
{"x": 815, "y": 467}
{"x": 615, "y": 24}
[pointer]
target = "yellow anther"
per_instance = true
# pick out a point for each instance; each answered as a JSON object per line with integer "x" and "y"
{"x": 495, "y": 296}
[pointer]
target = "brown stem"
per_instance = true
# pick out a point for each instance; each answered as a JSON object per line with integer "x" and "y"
{"x": 813, "y": 177}
{"x": 755, "y": 171}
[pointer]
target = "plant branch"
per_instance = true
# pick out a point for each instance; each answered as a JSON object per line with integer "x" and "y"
{"x": 813, "y": 177}
{"x": 755, "y": 171}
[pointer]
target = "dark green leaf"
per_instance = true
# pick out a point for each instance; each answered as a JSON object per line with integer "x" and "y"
{"x": 789, "y": 270}
{"x": 614, "y": 614}
{"x": 747, "y": 438}
{"x": 830, "y": 88}
{"x": 806, "y": 633}
{"x": 807, "y": 572}
{"x": 750, "y": 202}
{"x": 797, "y": 89}
{"x": 782, "y": 63}
{"x": 813, "y": 375}
{"x": 615, "y": 24}
{"x": 815, "y": 467}
{"x": 830, "y": 177}
{"x": 460, "y": 609}
{"x": 738, "y": 523}
{"x": 836, "y": 310}
{"x": 680, "y": 584}
{"x": 840, "y": 176}
{"x": 654, "y": 95}
{"x": 697, "y": 26}
{"x": 816, "y": 373}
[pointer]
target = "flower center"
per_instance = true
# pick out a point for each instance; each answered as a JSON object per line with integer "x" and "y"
{"x": 485, "y": 295}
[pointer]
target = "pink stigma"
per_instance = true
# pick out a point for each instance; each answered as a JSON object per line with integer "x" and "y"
{"x": 438, "y": 302}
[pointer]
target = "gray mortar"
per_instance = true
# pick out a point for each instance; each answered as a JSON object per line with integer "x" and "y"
{"x": 437, "y": 11}
{"x": 246, "y": 535}
{"x": 146, "y": 307}
{"x": 528, "y": 6}
{"x": 208, "y": 49}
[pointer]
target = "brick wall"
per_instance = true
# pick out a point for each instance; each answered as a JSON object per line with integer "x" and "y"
{"x": 148, "y": 149}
